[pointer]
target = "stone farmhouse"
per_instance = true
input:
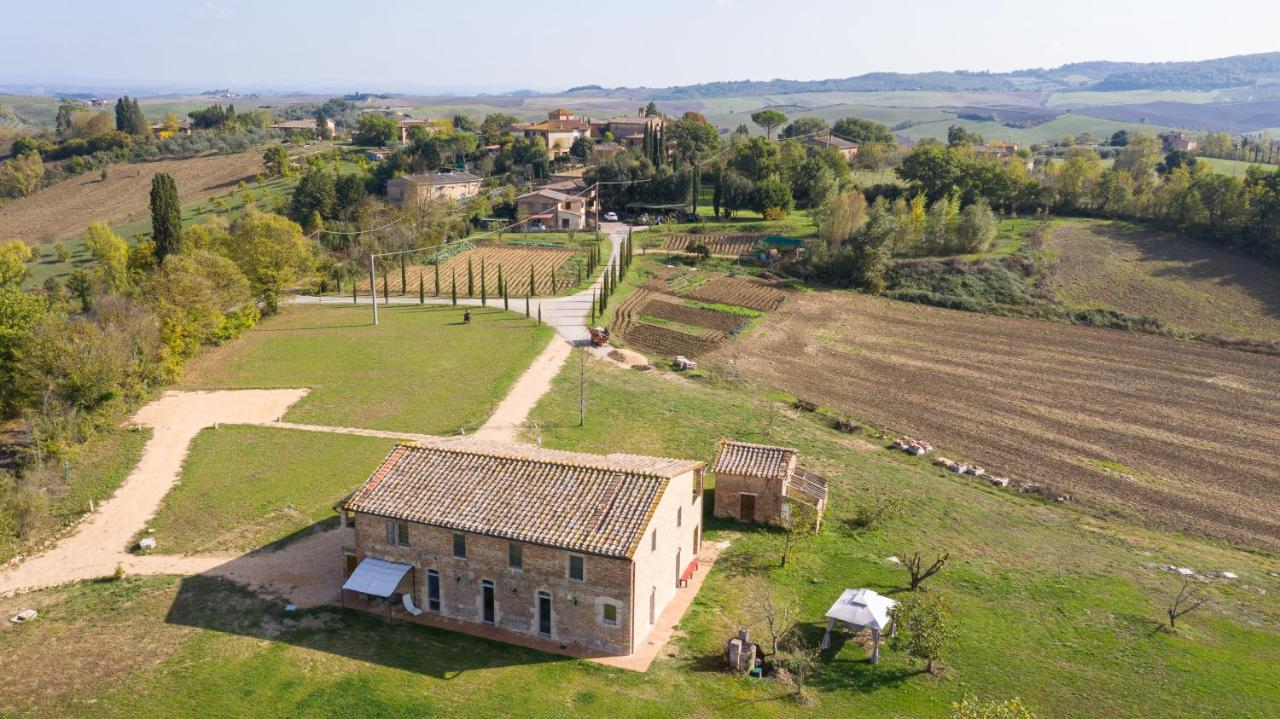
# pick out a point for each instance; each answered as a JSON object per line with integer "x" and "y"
{"x": 522, "y": 543}
{"x": 411, "y": 190}
{"x": 846, "y": 148}
{"x": 303, "y": 126}
{"x": 763, "y": 483}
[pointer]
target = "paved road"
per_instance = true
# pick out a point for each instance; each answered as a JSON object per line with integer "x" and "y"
{"x": 568, "y": 315}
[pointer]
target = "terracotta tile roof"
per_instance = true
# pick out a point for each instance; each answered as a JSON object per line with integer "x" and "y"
{"x": 558, "y": 126}
{"x": 442, "y": 178}
{"x": 754, "y": 460}
{"x": 837, "y": 142}
{"x": 598, "y": 504}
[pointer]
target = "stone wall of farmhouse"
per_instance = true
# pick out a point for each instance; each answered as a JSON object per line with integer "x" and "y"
{"x": 769, "y": 497}
{"x": 577, "y": 607}
{"x": 678, "y": 524}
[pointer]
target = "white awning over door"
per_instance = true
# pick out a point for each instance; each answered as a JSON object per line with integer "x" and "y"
{"x": 376, "y": 577}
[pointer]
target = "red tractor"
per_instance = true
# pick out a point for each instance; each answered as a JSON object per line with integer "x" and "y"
{"x": 599, "y": 336}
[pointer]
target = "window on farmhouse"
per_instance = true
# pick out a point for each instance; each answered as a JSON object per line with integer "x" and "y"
{"x": 609, "y": 614}
{"x": 402, "y": 533}
{"x": 460, "y": 546}
{"x": 576, "y": 570}
{"x": 653, "y": 541}
{"x": 391, "y": 532}
{"x": 515, "y": 556}
{"x": 679, "y": 516}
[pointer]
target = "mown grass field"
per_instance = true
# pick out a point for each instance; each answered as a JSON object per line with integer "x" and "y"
{"x": 246, "y": 487}
{"x": 420, "y": 370}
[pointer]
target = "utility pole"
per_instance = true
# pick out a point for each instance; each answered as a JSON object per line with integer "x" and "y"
{"x": 373, "y": 290}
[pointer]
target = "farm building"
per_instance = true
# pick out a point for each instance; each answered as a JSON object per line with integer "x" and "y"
{"x": 1172, "y": 141}
{"x": 406, "y": 125}
{"x": 303, "y": 126}
{"x": 559, "y": 131}
{"x": 629, "y": 131}
{"x": 760, "y": 483}
{"x": 553, "y": 208}
{"x": 516, "y": 541}
{"x": 412, "y": 189}
{"x": 841, "y": 145}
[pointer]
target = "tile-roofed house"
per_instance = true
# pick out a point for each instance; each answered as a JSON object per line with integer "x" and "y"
{"x": 844, "y": 147}
{"x": 584, "y": 548}
{"x": 754, "y": 460}
{"x": 410, "y": 189}
{"x": 759, "y": 483}
{"x": 553, "y": 209}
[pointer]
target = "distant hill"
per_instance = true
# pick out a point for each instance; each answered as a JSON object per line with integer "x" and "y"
{"x": 1220, "y": 73}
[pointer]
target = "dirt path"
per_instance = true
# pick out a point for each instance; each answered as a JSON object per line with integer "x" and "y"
{"x": 99, "y": 542}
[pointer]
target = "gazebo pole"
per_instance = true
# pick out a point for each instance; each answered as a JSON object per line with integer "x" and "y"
{"x": 875, "y": 645}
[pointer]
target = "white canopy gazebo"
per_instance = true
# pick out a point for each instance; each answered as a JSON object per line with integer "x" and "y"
{"x": 861, "y": 608}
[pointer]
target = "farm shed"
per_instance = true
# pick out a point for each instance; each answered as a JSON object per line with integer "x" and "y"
{"x": 763, "y": 483}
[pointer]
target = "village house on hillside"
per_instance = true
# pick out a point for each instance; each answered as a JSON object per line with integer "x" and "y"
{"x": 406, "y": 125}
{"x": 410, "y": 190}
{"x": 628, "y": 131}
{"x": 553, "y": 208}
{"x": 760, "y": 483}
{"x": 841, "y": 145}
{"x": 559, "y": 131}
{"x": 303, "y": 126}
{"x": 1173, "y": 141}
{"x": 579, "y": 549}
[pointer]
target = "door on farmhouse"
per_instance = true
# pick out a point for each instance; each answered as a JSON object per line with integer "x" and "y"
{"x": 352, "y": 562}
{"x": 487, "y": 592}
{"x": 747, "y": 507}
{"x": 544, "y": 614}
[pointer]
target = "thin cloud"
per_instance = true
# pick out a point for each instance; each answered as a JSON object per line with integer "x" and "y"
{"x": 210, "y": 10}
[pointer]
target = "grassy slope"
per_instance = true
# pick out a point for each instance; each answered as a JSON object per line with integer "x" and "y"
{"x": 245, "y": 487}
{"x": 99, "y": 467}
{"x": 1051, "y": 605}
{"x": 421, "y": 370}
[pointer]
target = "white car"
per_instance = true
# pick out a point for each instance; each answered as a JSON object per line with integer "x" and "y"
{"x": 610, "y": 217}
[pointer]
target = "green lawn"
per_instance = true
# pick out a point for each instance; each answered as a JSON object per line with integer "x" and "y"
{"x": 420, "y": 370}
{"x": 245, "y": 487}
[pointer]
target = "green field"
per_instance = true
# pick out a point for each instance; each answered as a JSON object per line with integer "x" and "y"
{"x": 246, "y": 487}
{"x": 421, "y": 370}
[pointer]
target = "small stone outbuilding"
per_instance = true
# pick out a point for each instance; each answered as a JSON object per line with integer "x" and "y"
{"x": 763, "y": 483}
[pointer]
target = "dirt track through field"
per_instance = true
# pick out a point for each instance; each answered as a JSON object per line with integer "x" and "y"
{"x": 1183, "y": 433}
{"x": 66, "y": 209}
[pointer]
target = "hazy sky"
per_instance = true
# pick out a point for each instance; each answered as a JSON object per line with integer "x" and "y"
{"x": 408, "y": 45}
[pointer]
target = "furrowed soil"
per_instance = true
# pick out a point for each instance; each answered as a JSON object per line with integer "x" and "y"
{"x": 64, "y": 210}
{"x": 1182, "y": 433}
{"x": 1188, "y": 285}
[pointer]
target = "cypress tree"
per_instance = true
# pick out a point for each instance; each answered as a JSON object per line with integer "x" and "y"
{"x": 437, "y": 266}
{"x": 422, "y": 291}
{"x": 355, "y": 298}
{"x": 506, "y": 299}
{"x": 453, "y": 289}
{"x": 553, "y": 280}
{"x": 404, "y": 278}
{"x": 501, "y": 283}
{"x": 715, "y": 196}
{"x": 532, "y": 289}
{"x": 385, "y": 296}
{"x": 166, "y": 216}
{"x": 526, "y": 305}
{"x": 593, "y": 307}
{"x": 539, "y": 313}
{"x": 471, "y": 282}
{"x": 484, "y": 291}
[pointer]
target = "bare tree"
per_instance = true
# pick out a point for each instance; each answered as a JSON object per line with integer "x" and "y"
{"x": 802, "y": 660}
{"x": 919, "y": 573}
{"x": 773, "y": 610}
{"x": 1188, "y": 600}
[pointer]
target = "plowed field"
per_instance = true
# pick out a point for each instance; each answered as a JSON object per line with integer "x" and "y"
{"x": 514, "y": 261}
{"x": 693, "y": 316}
{"x": 1183, "y": 433}
{"x": 746, "y": 292}
{"x": 719, "y": 244}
